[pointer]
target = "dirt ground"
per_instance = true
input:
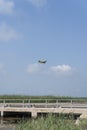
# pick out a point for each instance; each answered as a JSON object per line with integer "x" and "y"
{"x": 7, "y": 127}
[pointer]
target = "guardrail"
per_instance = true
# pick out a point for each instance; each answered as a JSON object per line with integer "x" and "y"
{"x": 44, "y": 103}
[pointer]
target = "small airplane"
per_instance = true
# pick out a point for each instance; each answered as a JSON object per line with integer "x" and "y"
{"x": 42, "y": 61}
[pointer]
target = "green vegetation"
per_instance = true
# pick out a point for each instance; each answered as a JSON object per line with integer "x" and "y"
{"x": 49, "y": 99}
{"x": 38, "y": 97}
{"x": 52, "y": 122}
{"x": 32, "y": 97}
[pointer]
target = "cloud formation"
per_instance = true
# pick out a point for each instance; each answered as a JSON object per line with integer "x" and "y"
{"x": 59, "y": 70}
{"x": 7, "y": 33}
{"x": 62, "y": 70}
{"x": 6, "y": 6}
{"x": 38, "y": 3}
{"x": 33, "y": 68}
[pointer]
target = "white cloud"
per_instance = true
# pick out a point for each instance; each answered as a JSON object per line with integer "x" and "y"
{"x": 7, "y": 33}
{"x": 33, "y": 68}
{"x": 62, "y": 70}
{"x": 6, "y": 6}
{"x": 58, "y": 71}
{"x": 38, "y": 3}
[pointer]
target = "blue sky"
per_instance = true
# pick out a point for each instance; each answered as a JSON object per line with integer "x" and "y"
{"x": 55, "y": 30}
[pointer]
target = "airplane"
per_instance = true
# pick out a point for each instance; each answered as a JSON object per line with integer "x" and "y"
{"x": 42, "y": 61}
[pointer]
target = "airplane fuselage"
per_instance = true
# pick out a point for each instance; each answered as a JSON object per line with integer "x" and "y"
{"x": 42, "y": 61}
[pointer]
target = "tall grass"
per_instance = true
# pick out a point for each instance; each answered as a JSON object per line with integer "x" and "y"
{"x": 51, "y": 123}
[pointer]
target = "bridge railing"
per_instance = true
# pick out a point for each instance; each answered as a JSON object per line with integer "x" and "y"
{"x": 42, "y": 102}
